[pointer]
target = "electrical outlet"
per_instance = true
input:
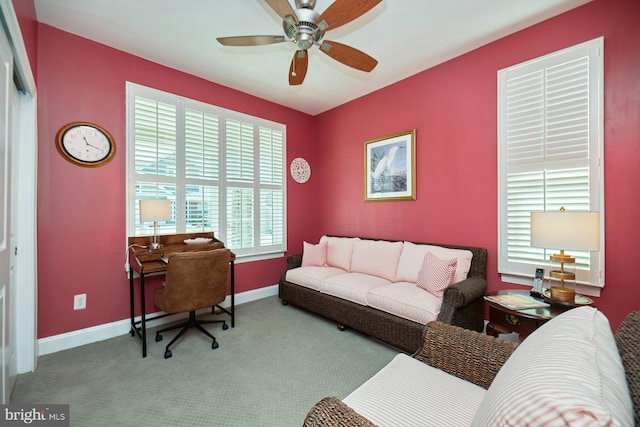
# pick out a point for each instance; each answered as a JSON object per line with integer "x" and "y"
{"x": 80, "y": 302}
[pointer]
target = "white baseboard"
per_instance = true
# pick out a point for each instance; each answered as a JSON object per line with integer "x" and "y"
{"x": 80, "y": 337}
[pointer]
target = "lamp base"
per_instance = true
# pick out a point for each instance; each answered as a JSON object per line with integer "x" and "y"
{"x": 155, "y": 245}
{"x": 562, "y": 294}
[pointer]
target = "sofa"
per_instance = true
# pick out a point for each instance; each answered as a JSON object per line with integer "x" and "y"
{"x": 571, "y": 371}
{"x": 388, "y": 290}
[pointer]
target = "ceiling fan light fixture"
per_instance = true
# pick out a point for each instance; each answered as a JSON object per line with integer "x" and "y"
{"x": 304, "y": 41}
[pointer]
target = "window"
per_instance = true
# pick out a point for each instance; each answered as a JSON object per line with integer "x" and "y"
{"x": 550, "y": 155}
{"x": 222, "y": 171}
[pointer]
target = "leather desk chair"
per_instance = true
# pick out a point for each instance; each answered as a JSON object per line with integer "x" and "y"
{"x": 194, "y": 280}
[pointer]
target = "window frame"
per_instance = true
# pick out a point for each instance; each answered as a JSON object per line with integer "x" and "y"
{"x": 591, "y": 280}
{"x": 277, "y": 183}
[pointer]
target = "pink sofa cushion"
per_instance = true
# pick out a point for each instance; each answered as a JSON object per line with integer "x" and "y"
{"x": 311, "y": 276}
{"x": 376, "y": 257}
{"x": 413, "y": 255}
{"x": 406, "y": 300}
{"x": 339, "y": 251}
{"x": 354, "y": 287}
{"x": 314, "y": 254}
{"x": 435, "y": 274}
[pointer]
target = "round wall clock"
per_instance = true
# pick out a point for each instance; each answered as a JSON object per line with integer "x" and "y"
{"x": 300, "y": 170}
{"x": 85, "y": 144}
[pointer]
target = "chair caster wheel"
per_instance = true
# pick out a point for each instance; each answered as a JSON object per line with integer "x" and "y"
{"x": 225, "y": 326}
{"x": 214, "y": 345}
{"x": 167, "y": 354}
{"x": 159, "y": 338}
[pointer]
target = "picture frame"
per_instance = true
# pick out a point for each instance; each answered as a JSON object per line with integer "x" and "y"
{"x": 390, "y": 167}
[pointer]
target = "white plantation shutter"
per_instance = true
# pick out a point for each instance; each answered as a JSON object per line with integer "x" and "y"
{"x": 240, "y": 150}
{"x": 154, "y": 161}
{"x": 223, "y": 171}
{"x": 201, "y": 174}
{"x": 271, "y": 192}
{"x": 240, "y": 217}
{"x": 550, "y": 154}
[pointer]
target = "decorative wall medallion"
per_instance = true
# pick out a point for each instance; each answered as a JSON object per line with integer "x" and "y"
{"x": 300, "y": 170}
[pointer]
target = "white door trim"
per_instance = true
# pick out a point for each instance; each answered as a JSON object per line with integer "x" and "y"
{"x": 26, "y": 262}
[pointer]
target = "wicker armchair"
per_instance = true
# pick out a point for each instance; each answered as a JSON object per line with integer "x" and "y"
{"x": 477, "y": 358}
{"x": 628, "y": 341}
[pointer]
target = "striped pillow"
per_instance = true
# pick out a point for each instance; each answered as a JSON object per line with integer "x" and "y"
{"x": 566, "y": 373}
{"x": 435, "y": 274}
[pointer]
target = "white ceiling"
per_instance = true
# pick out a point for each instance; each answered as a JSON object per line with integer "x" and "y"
{"x": 405, "y": 36}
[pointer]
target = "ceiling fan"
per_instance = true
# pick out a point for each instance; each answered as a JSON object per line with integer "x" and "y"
{"x": 305, "y": 27}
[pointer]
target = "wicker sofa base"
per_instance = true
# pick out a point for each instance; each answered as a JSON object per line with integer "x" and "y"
{"x": 393, "y": 330}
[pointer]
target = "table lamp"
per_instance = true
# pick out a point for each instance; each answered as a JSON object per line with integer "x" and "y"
{"x": 569, "y": 231}
{"x": 155, "y": 210}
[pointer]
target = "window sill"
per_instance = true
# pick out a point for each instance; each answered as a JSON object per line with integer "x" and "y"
{"x": 581, "y": 288}
{"x": 240, "y": 259}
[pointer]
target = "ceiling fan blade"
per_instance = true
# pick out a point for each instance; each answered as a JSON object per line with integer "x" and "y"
{"x": 343, "y": 11}
{"x": 298, "y": 68}
{"x": 250, "y": 40}
{"x": 282, "y": 8}
{"x": 348, "y": 55}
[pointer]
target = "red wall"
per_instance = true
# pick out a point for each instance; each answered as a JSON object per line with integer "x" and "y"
{"x": 81, "y": 211}
{"x": 453, "y": 109}
{"x": 81, "y": 223}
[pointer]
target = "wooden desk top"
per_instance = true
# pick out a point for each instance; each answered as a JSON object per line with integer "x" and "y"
{"x": 145, "y": 260}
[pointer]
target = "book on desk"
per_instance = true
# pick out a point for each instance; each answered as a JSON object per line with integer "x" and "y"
{"x": 516, "y": 302}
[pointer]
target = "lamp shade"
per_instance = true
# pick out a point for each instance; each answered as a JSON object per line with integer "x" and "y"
{"x": 566, "y": 230}
{"x": 155, "y": 210}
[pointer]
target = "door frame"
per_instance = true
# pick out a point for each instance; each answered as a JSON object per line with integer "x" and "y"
{"x": 25, "y": 327}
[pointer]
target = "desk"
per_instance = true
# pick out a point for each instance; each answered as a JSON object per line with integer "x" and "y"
{"x": 144, "y": 262}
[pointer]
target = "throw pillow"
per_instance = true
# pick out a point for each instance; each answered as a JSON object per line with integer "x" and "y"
{"x": 339, "y": 251}
{"x": 315, "y": 255}
{"x": 435, "y": 274}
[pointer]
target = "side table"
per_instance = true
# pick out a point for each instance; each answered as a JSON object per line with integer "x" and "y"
{"x": 503, "y": 320}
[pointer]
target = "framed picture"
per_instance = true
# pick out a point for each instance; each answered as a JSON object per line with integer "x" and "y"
{"x": 390, "y": 167}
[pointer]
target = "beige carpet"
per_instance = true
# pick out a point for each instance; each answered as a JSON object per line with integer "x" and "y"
{"x": 268, "y": 371}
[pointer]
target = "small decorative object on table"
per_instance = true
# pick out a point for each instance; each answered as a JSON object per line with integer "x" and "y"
{"x": 515, "y": 301}
{"x": 578, "y": 301}
{"x": 197, "y": 241}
